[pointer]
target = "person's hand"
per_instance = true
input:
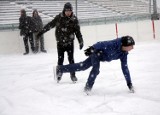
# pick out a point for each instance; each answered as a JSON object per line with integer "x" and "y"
{"x": 89, "y": 51}
{"x": 39, "y": 34}
{"x": 81, "y": 45}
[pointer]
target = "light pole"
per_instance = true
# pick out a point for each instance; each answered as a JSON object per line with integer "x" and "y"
{"x": 155, "y": 15}
{"x": 154, "y": 6}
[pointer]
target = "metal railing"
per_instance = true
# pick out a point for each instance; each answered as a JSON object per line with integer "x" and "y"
{"x": 91, "y": 21}
{"x": 107, "y": 20}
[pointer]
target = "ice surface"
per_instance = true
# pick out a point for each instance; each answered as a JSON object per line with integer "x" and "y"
{"x": 27, "y": 85}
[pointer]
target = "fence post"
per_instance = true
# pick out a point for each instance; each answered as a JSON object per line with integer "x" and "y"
{"x": 116, "y": 29}
{"x": 153, "y": 27}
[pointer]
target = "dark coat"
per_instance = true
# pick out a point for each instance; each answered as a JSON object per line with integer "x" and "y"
{"x": 112, "y": 50}
{"x": 66, "y": 28}
{"x": 38, "y": 24}
{"x": 25, "y": 25}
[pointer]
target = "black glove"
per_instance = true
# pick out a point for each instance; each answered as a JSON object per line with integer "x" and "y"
{"x": 89, "y": 51}
{"x": 81, "y": 45}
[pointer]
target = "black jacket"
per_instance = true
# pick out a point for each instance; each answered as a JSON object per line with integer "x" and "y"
{"x": 25, "y": 25}
{"x": 66, "y": 28}
{"x": 38, "y": 24}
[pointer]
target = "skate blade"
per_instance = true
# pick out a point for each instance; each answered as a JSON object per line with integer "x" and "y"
{"x": 74, "y": 82}
{"x": 87, "y": 93}
{"x": 132, "y": 91}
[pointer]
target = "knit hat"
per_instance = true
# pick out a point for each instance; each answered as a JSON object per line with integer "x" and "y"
{"x": 127, "y": 41}
{"x": 34, "y": 11}
{"x": 68, "y": 6}
{"x": 23, "y": 12}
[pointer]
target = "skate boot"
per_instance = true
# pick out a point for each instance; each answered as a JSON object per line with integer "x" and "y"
{"x": 73, "y": 77}
{"x": 87, "y": 89}
{"x": 131, "y": 88}
{"x": 25, "y": 53}
{"x": 44, "y": 51}
{"x": 58, "y": 74}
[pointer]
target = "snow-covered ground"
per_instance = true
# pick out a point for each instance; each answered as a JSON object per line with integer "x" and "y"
{"x": 27, "y": 85}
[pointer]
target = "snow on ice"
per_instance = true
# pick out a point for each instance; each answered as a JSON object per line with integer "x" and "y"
{"x": 27, "y": 86}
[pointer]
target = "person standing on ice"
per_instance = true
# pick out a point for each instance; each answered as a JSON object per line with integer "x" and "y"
{"x": 38, "y": 25}
{"x": 67, "y": 26}
{"x": 26, "y": 30}
{"x": 102, "y": 51}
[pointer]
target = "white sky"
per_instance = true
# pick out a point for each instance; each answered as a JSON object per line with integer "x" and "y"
{"x": 27, "y": 86}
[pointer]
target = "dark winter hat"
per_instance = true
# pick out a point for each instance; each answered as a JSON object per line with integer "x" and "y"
{"x": 34, "y": 11}
{"x": 68, "y": 6}
{"x": 127, "y": 41}
{"x": 23, "y": 12}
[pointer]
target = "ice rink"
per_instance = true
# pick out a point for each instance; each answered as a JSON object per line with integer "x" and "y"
{"x": 27, "y": 85}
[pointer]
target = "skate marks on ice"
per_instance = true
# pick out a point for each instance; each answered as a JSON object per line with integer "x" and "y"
{"x": 119, "y": 103}
{"x": 32, "y": 91}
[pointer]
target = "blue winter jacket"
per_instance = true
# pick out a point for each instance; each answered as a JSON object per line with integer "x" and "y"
{"x": 112, "y": 51}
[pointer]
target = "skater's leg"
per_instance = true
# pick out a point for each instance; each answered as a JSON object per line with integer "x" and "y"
{"x": 31, "y": 41}
{"x": 36, "y": 39}
{"x": 60, "y": 51}
{"x": 75, "y": 67}
{"x": 94, "y": 72}
{"x": 70, "y": 53}
{"x": 25, "y": 39}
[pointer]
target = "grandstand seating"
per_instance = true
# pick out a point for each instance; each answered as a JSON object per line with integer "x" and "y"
{"x": 127, "y": 7}
{"x": 10, "y": 10}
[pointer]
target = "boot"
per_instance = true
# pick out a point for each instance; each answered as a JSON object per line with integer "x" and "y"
{"x": 58, "y": 74}
{"x": 33, "y": 49}
{"x": 27, "y": 51}
{"x": 44, "y": 51}
{"x": 36, "y": 50}
{"x": 73, "y": 77}
{"x": 131, "y": 88}
{"x": 87, "y": 89}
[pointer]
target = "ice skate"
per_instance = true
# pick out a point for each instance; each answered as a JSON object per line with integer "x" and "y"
{"x": 44, "y": 51}
{"x": 131, "y": 89}
{"x": 57, "y": 74}
{"x": 25, "y": 53}
{"x": 74, "y": 78}
{"x": 87, "y": 89}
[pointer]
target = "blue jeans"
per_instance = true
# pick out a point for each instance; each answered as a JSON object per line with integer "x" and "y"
{"x": 93, "y": 60}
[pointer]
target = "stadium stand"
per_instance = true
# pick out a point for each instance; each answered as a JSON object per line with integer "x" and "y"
{"x": 127, "y": 7}
{"x": 86, "y": 10}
